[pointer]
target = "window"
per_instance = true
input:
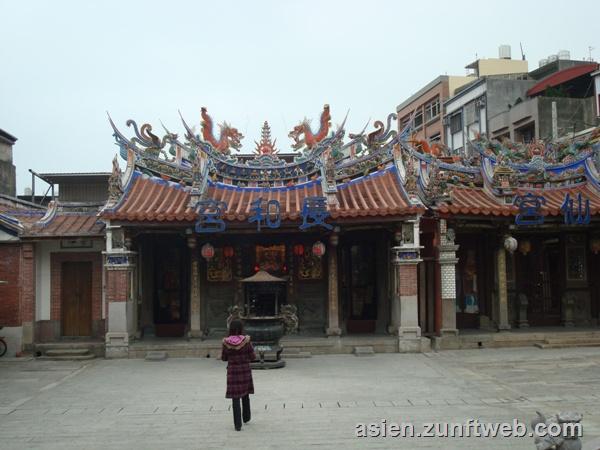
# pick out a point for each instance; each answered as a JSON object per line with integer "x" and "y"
{"x": 456, "y": 123}
{"x": 405, "y": 122}
{"x": 435, "y": 138}
{"x": 432, "y": 110}
{"x": 418, "y": 119}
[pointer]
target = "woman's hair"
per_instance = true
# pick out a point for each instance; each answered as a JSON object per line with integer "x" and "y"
{"x": 236, "y": 327}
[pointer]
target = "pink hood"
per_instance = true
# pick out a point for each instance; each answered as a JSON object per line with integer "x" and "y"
{"x": 236, "y": 342}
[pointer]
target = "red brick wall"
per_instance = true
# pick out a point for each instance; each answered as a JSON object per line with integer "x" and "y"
{"x": 56, "y": 260}
{"x": 27, "y": 282}
{"x": 10, "y": 272}
{"x": 117, "y": 283}
{"x": 408, "y": 279}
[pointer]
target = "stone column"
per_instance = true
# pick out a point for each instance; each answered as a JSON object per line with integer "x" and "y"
{"x": 120, "y": 270}
{"x": 28, "y": 295}
{"x": 195, "y": 314}
{"x": 333, "y": 320}
{"x": 405, "y": 300}
{"x": 503, "y": 323}
{"x": 447, "y": 265}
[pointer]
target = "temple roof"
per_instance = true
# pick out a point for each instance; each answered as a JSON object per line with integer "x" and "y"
{"x": 152, "y": 199}
{"x": 476, "y": 201}
{"x": 370, "y": 174}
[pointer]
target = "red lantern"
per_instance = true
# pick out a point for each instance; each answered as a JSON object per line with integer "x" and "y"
{"x": 228, "y": 251}
{"x": 298, "y": 249}
{"x": 318, "y": 249}
{"x": 207, "y": 251}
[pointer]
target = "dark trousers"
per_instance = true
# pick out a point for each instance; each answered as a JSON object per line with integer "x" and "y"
{"x": 238, "y": 412}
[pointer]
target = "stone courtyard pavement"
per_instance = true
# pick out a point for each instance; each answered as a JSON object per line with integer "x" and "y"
{"x": 178, "y": 403}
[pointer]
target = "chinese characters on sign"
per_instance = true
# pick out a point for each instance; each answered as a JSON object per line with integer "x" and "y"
{"x": 529, "y": 209}
{"x": 210, "y": 216}
{"x": 579, "y": 217}
{"x": 314, "y": 213}
{"x": 264, "y": 213}
{"x": 267, "y": 212}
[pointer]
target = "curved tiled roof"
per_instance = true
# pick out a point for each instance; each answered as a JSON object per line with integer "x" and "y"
{"x": 151, "y": 199}
{"x": 476, "y": 201}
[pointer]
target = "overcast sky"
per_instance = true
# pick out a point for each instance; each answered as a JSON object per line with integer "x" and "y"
{"x": 63, "y": 64}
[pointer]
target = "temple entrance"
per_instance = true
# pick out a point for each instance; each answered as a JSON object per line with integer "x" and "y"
{"x": 171, "y": 299}
{"x": 76, "y": 298}
{"x": 539, "y": 275}
{"x": 359, "y": 285}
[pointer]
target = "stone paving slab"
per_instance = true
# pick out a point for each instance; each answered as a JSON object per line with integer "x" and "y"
{"x": 312, "y": 402}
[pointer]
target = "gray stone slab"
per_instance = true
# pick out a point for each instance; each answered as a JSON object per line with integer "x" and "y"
{"x": 156, "y": 356}
{"x": 363, "y": 351}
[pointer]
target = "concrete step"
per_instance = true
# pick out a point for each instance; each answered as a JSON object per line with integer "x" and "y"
{"x": 364, "y": 350}
{"x": 156, "y": 356}
{"x": 568, "y": 344}
{"x": 291, "y": 353}
{"x": 67, "y": 352}
{"x": 67, "y": 357}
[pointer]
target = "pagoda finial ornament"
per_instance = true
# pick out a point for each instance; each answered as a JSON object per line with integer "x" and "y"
{"x": 310, "y": 139}
{"x": 266, "y": 146}
{"x": 230, "y": 137}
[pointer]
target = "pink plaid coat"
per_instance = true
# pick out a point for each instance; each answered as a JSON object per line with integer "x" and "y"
{"x": 239, "y": 374}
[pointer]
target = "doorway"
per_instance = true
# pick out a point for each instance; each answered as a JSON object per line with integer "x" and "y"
{"x": 359, "y": 286}
{"x": 540, "y": 277}
{"x": 76, "y": 298}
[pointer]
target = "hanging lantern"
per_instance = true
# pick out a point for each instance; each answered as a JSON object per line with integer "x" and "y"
{"x": 525, "y": 247}
{"x": 207, "y": 251}
{"x": 510, "y": 244}
{"x": 318, "y": 249}
{"x": 228, "y": 251}
{"x": 298, "y": 249}
{"x": 595, "y": 245}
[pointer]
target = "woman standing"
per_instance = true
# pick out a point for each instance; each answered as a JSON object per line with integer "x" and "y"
{"x": 238, "y": 352}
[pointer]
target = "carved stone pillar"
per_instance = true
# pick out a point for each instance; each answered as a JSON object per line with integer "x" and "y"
{"x": 120, "y": 266}
{"x": 447, "y": 265}
{"x": 503, "y": 323}
{"x": 195, "y": 312}
{"x": 405, "y": 301}
{"x": 333, "y": 320}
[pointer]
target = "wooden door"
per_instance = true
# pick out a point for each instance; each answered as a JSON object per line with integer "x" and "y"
{"x": 76, "y": 301}
{"x": 539, "y": 277}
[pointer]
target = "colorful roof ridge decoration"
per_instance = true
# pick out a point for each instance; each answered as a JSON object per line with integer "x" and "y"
{"x": 170, "y": 157}
{"x": 487, "y": 181}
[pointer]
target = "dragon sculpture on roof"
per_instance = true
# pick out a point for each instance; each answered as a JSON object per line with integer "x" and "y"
{"x": 230, "y": 137}
{"x": 310, "y": 139}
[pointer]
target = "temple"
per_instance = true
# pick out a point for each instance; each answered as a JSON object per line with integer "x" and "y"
{"x": 371, "y": 234}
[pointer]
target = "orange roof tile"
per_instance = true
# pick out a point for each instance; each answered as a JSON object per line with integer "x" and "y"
{"x": 156, "y": 200}
{"x": 68, "y": 224}
{"x": 476, "y": 201}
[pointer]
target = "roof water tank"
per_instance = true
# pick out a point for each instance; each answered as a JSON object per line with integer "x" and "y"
{"x": 564, "y": 54}
{"x": 543, "y": 62}
{"x": 504, "y": 51}
{"x": 552, "y": 58}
